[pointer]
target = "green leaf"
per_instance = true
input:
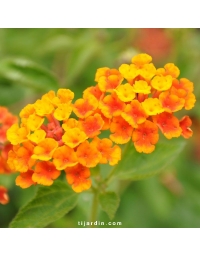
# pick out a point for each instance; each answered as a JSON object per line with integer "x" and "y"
{"x": 109, "y": 202}
{"x": 49, "y": 204}
{"x": 27, "y": 73}
{"x": 10, "y": 94}
{"x": 136, "y": 166}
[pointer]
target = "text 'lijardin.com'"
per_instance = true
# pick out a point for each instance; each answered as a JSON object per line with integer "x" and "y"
{"x": 99, "y": 223}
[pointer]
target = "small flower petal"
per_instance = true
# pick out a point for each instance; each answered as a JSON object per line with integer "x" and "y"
{"x": 145, "y": 137}
{"x": 185, "y": 124}
{"x": 45, "y": 173}
{"x": 168, "y": 124}
{"x": 45, "y": 149}
{"x": 78, "y": 177}
{"x": 88, "y": 155}
{"x": 64, "y": 157}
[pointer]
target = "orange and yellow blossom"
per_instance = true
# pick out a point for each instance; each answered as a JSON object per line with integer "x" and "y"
{"x": 134, "y": 103}
{"x": 78, "y": 176}
{"x": 168, "y": 124}
{"x": 111, "y": 106}
{"x": 121, "y": 130}
{"x": 145, "y": 136}
{"x": 109, "y": 153}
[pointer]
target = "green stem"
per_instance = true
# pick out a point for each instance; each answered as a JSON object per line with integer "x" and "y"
{"x": 94, "y": 211}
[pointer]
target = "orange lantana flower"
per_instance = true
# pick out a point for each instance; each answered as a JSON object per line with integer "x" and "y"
{"x": 24, "y": 180}
{"x": 169, "y": 69}
{"x": 88, "y": 155}
{"x": 134, "y": 113}
{"x": 19, "y": 159}
{"x": 131, "y": 102}
{"x": 86, "y": 106}
{"x": 92, "y": 125}
{"x": 171, "y": 102}
{"x": 109, "y": 83}
{"x": 185, "y": 124}
{"x": 78, "y": 177}
{"x": 45, "y": 149}
{"x": 121, "y": 130}
{"x": 168, "y": 124}
{"x": 145, "y": 137}
{"x": 95, "y": 91}
{"x": 111, "y": 106}
{"x": 64, "y": 157}
{"x": 45, "y": 173}
{"x": 109, "y": 153}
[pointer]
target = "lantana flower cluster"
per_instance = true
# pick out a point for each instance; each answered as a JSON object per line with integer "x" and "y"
{"x": 133, "y": 103}
{"x": 6, "y": 121}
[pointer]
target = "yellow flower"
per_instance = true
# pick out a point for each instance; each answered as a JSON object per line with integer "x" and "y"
{"x": 152, "y": 106}
{"x": 141, "y": 59}
{"x": 43, "y": 107}
{"x": 45, "y": 149}
{"x": 16, "y": 134}
{"x": 37, "y": 136}
{"x": 125, "y": 92}
{"x": 63, "y": 111}
{"x": 161, "y": 83}
{"x": 141, "y": 87}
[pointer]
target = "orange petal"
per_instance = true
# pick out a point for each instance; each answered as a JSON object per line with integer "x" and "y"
{"x": 45, "y": 149}
{"x": 168, "y": 124}
{"x": 145, "y": 137}
{"x": 121, "y": 130}
{"x": 109, "y": 83}
{"x": 93, "y": 90}
{"x": 88, "y": 155}
{"x": 109, "y": 154}
{"x": 190, "y": 101}
{"x": 171, "y": 102}
{"x": 24, "y": 180}
{"x": 134, "y": 113}
{"x": 111, "y": 106}
{"x": 45, "y": 173}
{"x": 78, "y": 177}
{"x": 185, "y": 124}
{"x": 64, "y": 157}
{"x": 86, "y": 106}
{"x": 92, "y": 125}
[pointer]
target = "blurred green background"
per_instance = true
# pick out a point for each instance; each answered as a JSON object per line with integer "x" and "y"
{"x": 33, "y": 61}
